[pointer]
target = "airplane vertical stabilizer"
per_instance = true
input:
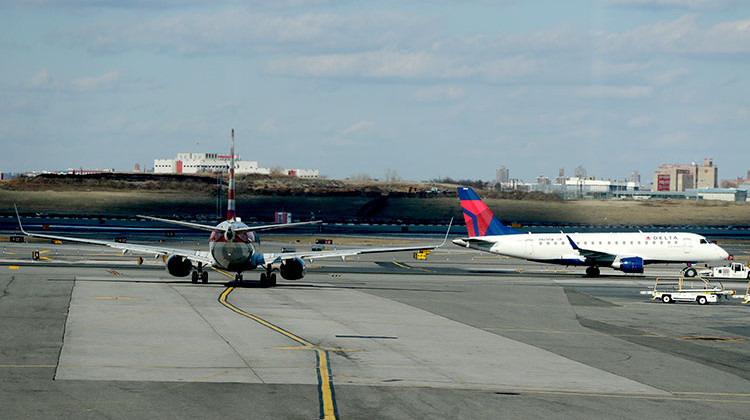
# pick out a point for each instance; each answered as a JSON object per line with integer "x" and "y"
{"x": 479, "y": 218}
{"x": 230, "y": 207}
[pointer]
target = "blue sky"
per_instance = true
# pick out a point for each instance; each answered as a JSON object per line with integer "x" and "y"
{"x": 426, "y": 88}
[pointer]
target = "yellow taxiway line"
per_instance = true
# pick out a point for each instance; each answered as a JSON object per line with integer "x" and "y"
{"x": 326, "y": 396}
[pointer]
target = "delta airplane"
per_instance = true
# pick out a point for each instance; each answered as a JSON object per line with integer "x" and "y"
{"x": 231, "y": 248}
{"x": 627, "y": 252}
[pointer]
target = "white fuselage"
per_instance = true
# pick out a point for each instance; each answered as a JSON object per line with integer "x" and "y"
{"x": 556, "y": 248}
{"x": 232, "y": 251}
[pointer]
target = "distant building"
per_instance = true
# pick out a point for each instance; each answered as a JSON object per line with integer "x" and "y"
{"x": 542, "y": 180}
{"x": 82, "y": 171}
{"x": 680, "y": 177}
{"x": 735, "y": 183}
{"x": 560, "y": 180}
{"x": 635, "y": 177}
{"x": 597, "y": 188}
{"x": 503, "y": 175}
{"x": 191, "y": 163}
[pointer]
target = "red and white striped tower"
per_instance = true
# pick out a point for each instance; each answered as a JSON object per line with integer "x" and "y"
{"x": 230, "y": 206}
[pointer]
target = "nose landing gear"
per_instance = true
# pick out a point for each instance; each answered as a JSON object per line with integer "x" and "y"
{"x": 199, "y": 274}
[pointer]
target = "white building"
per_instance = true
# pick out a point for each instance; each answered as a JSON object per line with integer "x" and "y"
{"x": 191, "y": 163}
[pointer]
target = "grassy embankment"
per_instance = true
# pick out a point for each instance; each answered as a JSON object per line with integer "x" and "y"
{"x": 337, "y": 200}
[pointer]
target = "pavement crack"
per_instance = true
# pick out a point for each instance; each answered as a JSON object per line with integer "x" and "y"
{"x": 218, "y": 333}
{"x": 7, "y": 286}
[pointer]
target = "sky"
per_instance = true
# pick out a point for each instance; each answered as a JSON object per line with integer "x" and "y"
{"x": 424, "y": 88}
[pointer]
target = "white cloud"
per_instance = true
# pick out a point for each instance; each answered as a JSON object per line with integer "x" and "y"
{"x": 88, "y": 84}
{"x": 641, "y": 121}
{"x": 604, "y": 68}
{"x": 374, "y": 64}
{"x": 684, "y": 35}
{"x": 360, "y": 127}
{"x": 41, "y": 80}
{"x": 385, "y": 64}
{"x": 44, "y": 80}
{"x": 679, "y": 4}
{"x": 438, "y": 93}
{"x": 245, "y": 31}
{"x": 668, "y": 77}
{"x": 604, "y": 91}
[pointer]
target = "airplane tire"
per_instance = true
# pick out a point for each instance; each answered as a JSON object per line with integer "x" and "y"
{"x": 194, "y": 278}
{"x": 272, "y": 280}
{"x": 666, "y": 299}
{"x": 592, "y": 271}
{"x": 702, "y": 300}
{"x": 204, "y": 277}
{"x": 690, "y": 272}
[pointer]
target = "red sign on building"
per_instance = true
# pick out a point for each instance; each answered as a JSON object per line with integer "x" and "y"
{"x": 663, "y": 182}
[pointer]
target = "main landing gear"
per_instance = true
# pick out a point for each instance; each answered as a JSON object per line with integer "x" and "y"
{"x": 592, "y": 271}
{"x": 199, "y": 274}
{"x": 268, "y": 279}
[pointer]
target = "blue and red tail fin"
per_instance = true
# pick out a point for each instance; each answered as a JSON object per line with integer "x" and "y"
{"x": 479, "y": 218}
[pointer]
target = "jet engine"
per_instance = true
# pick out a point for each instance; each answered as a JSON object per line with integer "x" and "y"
{"x": 293, "y": 269}
{"x": 629, "y": 265}
{"x": 179, "y": 266}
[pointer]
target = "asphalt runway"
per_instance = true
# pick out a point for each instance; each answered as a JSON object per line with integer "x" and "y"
{"x": 88, "y": 333}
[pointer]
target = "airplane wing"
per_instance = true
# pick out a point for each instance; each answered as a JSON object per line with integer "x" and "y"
{"x": 592, "y": 255}
{"x": 313, "y": 255}
{"x": 276, "y": 226}
{"x": 217, "y": 229}
{"x": 185, "y": 224}
{"x": 199, "y": 256}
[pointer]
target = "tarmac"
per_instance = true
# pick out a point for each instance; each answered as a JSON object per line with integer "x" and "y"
{"x": 88, "y": 333}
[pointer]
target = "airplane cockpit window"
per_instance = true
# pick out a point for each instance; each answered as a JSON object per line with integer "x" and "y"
{"x": 705, "y": 241}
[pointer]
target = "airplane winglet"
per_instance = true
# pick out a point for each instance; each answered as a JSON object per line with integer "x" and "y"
{"x": 573, "y": 244}
{"x": 447, "y": 233}
{"x": 19, "y": 220}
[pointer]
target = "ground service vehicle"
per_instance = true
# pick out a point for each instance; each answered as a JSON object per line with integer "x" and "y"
{"x": 676, "y": 289}
{"x": 734, "y": 270}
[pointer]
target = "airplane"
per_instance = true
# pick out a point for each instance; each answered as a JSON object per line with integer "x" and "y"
{"x": 628, "y": 252}
{"x": 231, "y": 247}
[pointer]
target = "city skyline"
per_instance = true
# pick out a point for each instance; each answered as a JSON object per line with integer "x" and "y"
{"x": 428, "y": 89}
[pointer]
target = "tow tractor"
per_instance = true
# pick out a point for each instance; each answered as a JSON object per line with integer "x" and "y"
{"x": 676, "y": 289}
{"x": 734, "y": 270}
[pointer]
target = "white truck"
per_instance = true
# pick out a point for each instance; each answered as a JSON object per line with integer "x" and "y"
{"x": 677, "y": 289}
{"x": 734, "y": 270}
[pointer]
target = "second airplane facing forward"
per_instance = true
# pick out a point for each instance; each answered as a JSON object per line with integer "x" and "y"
{"x": 628, "y": 252}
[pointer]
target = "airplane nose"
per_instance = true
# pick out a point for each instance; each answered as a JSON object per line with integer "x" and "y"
{"x": 722, "y": 253}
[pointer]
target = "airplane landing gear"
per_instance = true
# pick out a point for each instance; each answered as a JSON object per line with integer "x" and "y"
{"x": 199, "y": 274}
{"x": 592, "y": 271}
{"x": 238, "y": 277}
{"x": 268, "y": 279}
